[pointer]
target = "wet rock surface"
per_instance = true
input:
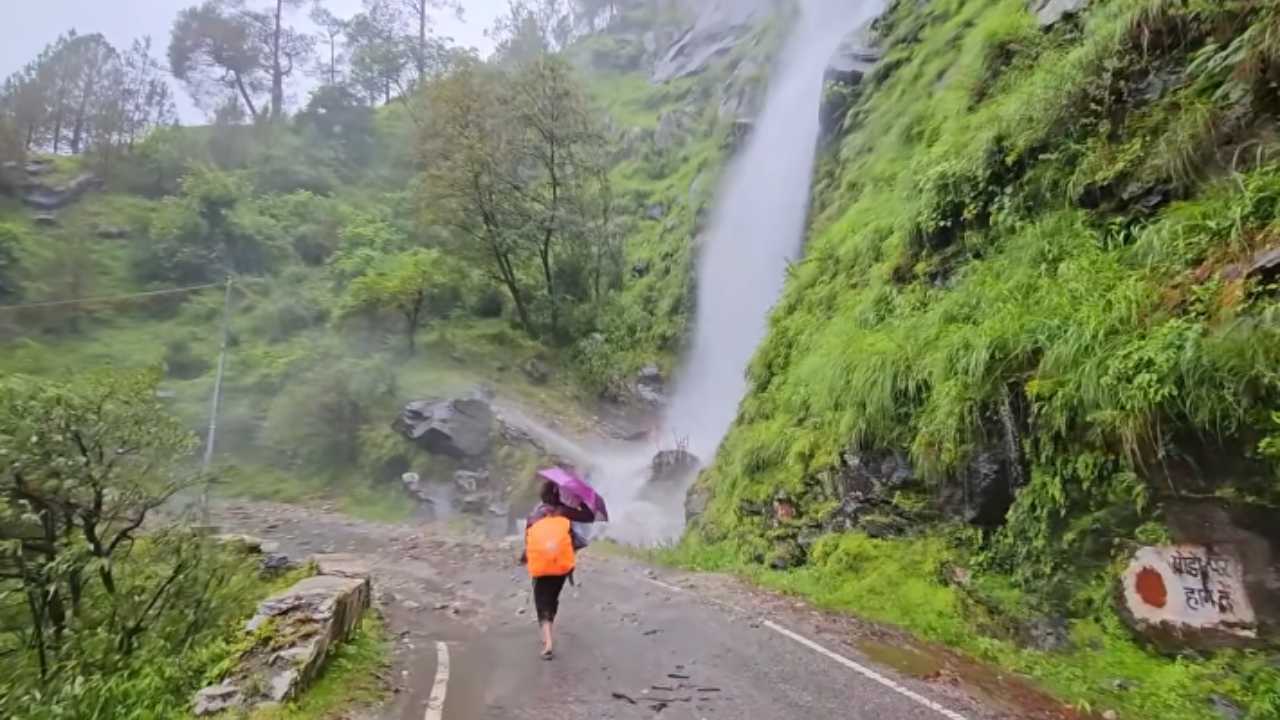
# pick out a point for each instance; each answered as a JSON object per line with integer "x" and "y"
{"x": 45, "y": 197}
{"x": 460, "y": 428}
{"x": 718, "y": 27}
{"x": 296, "y": 630}
{"x": 1049, "y": 12}
{"x": 673, "y": 467}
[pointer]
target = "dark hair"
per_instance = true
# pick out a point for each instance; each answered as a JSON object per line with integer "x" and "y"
{"x": 550, "y": 493}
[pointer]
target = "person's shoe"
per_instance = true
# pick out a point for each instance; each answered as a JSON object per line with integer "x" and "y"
{"x": 547, "y": 655}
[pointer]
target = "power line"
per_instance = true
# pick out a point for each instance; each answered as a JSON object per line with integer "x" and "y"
{"x": 107, "y": 298}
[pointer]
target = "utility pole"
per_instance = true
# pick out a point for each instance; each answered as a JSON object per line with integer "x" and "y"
{"x": 214, "y": 403}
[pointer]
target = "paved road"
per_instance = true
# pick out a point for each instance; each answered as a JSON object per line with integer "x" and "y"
{"x": 634, "y": 642}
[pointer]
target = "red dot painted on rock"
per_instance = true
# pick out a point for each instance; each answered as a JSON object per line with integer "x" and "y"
{"x": 1150, "y": 587}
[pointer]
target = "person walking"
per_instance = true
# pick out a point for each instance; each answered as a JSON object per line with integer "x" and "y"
{"x": 549, "y": 554}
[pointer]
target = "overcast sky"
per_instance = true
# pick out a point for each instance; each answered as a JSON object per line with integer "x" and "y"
{"x": 26, "y": 26}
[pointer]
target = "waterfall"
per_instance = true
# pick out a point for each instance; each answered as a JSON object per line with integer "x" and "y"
{"x": 757, "y": 228}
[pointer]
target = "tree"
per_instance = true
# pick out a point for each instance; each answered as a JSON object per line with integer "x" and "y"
{"x": 426, "y": 50}
{"x": 470, "y": 149}
{"x": 562, "y": 168}
{"x": 90, "y": 60}
{"x": 85, "y": 465}
{"x": 531, "y": 29}
{"x": 214, "y": 49}
{"x": 332, "y": 29}
{"x": 340, "y": 120}
{"x": 380, "y": 59}
{"x": 288, "y": 45}
{"x": 144, "y": 94}
{"x": 402, "y": 285}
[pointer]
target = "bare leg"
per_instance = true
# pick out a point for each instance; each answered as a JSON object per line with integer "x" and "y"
{"x": 546, "y": 637}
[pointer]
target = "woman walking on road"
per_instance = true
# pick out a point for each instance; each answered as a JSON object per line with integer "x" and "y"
{"x": 549, "y": 548}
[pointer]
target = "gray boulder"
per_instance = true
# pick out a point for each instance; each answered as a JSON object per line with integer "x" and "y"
{"x": 460, "y": 428}
{"x": 670, "y": 467}
{"x": 1049, "y": 12}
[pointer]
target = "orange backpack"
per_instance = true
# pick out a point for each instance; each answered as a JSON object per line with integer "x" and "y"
{"x": 549, "y": 547}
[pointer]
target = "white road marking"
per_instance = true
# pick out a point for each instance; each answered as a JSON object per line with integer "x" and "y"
{"x": 856, "y": 667}
{"x": 865, "y": 671}
{"x": 435, "y": 704}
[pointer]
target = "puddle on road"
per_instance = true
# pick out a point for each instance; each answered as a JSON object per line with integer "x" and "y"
{"x": 988, "y": 684}
{"x": 904, "y": 659}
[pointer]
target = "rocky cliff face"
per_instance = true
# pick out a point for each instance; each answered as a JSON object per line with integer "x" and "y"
{"x": 1020, "y": 311}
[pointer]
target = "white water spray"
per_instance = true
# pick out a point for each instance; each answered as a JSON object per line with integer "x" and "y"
{"x": 757, "y": 228}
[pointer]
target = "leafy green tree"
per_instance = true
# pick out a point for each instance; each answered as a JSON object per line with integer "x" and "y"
{"x": 337, "y": 118}
{"x": 85, "y": 464}
{"x": 470, "y": 149}
{"x": 402, "y": 284}
{"x": 214, "y": 50}
{"x": 210, "y": 229}
{"x": 561, "y": 152}
{"x": 381, "y": 59}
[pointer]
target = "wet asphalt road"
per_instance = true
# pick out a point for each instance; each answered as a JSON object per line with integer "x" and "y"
{"x": 632, "y": 642}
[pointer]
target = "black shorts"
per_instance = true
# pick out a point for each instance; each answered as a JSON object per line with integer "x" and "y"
{"x": 546, "y": 596}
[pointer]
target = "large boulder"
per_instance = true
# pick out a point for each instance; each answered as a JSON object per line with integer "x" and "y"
{"x": 295, "y": 631}
{"x": 1180, "y": 596}
{"x": 673, "y": 467}
{"x": 461, "y": 428}
{"x": 1249, "y": 534}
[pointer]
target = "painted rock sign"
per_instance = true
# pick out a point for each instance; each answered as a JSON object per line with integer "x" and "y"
{"x": 1188, "y": 590}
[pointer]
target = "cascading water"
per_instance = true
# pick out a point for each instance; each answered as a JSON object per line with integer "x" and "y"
{"x": 756, "y": 229}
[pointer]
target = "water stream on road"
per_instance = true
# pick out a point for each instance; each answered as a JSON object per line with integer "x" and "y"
{"x": 756, "y": 230}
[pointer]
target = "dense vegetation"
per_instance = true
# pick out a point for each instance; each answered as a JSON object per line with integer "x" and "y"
{"x": 1029, "y": 250}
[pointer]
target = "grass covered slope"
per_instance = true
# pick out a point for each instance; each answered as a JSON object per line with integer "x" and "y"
{"x": 1031, "y": 246}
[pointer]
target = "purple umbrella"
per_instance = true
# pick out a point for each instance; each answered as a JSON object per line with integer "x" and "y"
{"x": 575, "y": 492}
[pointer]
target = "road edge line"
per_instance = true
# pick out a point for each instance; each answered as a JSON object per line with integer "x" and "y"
{"x": 832, "y": 655}
{"x": 864, "y": 671}
{"x": 435, "y": 704}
